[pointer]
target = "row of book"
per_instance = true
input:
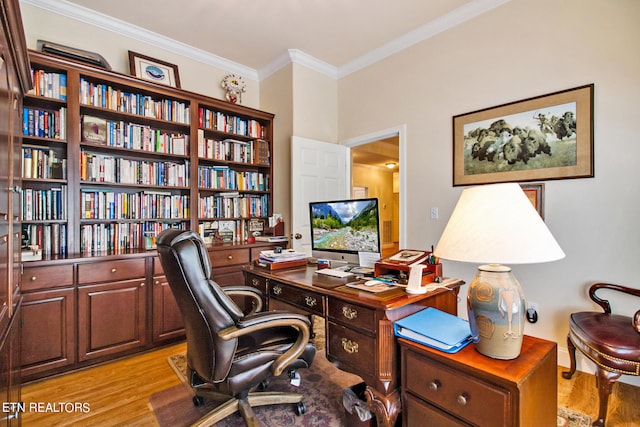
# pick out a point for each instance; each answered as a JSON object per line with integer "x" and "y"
{"x": 111, "y": 205}
{"x": 49, "y": 84}
{"x": 223, "y": 122}
{"x": 105, "y": 96}
{"x": 95, "y": 167}
{"x": 44, "y": 205}
{"x": 44, "y": 123}
{"x": 224, "y": 178}
{"x": 50, "y": 238}
{"x": 133, "y": 136}
{"x": 233, "y": 207}
{"x": 115, "y": 238}
{"x": 254, "y": 152}
{"x": 42, "y": 163}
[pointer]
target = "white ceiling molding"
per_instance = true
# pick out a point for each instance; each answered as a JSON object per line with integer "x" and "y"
{"x": 91, "y": 17}
{"x": 445, "y": 22}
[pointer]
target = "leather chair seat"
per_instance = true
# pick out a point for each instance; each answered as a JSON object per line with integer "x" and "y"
{"x": 608, "y": 340}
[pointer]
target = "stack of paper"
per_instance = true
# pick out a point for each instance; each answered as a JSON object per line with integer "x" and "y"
{"x": 435, "y": 328}
{"x": 284, "y": 255}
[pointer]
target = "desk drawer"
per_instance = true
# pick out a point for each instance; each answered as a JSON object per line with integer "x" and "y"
{"x": 352, "y": 348}
{"x": 111, "y": 271}
{"x": 311, "y": 302}
{"x": 475, "y": 401}
{"x": 352, "y": 315}
{"x": 34, "y": 278}
{"x": 226, "y": 257}
{"x": 418, "y": 413}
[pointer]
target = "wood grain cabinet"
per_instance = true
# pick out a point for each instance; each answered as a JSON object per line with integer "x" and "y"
{"x": 111, "y": 314}
{"x": 469, "y": 389}
{"x": 167, "y": 319}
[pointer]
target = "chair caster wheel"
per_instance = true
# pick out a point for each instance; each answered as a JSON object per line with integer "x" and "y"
{"x": 198, "y": 400}
{"x": 300, "y": 408}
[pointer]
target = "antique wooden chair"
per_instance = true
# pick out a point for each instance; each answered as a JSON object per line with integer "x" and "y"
{"x": 611, "y": 341}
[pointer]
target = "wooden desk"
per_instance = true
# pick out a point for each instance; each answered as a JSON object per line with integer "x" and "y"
{"x": 359, "y": 325}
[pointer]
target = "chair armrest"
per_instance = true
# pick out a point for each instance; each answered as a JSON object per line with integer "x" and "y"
{"x": 606, "y": 306}
{"x": 247, "y": 291}
{"x": 636, "y": 321}
{"x": 274, "y": 319}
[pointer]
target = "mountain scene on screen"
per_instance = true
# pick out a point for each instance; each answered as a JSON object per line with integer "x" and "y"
{"x": 350, "y": 226}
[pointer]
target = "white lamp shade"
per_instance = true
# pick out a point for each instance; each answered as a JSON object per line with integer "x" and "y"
{"x": 497, "y": 224}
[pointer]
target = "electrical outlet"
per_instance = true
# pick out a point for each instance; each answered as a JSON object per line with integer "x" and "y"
{"x": 532, "y": 312}
{"x": 532, "y": 305}
{"x": 434, "y": 213}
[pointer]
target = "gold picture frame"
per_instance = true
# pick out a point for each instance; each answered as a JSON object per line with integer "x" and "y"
{"x": 153, "y": 70}
{"x": 541, "y": 138}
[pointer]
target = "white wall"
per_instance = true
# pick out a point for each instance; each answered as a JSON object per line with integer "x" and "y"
{"x": 522, "y": 49}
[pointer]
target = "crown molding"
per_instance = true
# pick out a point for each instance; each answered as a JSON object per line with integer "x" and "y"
{"x": 441, "y": 24}
{"x": 296, "y": 56}
{"x": 91, "y": 17}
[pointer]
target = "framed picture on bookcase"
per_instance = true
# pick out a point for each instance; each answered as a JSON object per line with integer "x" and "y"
{"x": 153, "y": 70}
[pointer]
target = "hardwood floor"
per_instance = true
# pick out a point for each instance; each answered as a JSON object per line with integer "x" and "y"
{"x": 118, "y": 394}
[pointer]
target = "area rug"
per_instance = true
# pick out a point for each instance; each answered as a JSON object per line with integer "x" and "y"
{"x": 321, "y": 385}
{"x": 570, "y": 418}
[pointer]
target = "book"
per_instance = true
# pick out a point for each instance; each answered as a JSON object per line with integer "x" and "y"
{"x": 270, "y": 265}
{"x": 435, "y": 328}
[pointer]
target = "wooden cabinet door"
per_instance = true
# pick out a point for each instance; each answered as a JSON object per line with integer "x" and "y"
{"x": 48, "y": 331}
{"x": 111, "y": 318}
{"x": 167, "y": 319}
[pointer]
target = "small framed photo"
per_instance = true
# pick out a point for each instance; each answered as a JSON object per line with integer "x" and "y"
{"x": 153, "y": 70}
{"x": 535, "y": 194}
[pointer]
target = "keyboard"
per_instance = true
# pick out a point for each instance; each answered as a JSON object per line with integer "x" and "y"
{"x": 335, "y": 273}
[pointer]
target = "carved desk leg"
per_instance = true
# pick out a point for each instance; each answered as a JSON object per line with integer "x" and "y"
{"x": 386, "y": 408}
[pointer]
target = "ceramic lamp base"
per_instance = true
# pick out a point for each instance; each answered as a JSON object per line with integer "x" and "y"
{"x": 496, "y": 312}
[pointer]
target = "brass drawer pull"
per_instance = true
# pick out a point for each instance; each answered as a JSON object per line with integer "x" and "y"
{"x": 113, "y": 270}
{"x": 277, "y": 289}
{"x": 434, "y": 385}
{"x": 230, "y": 257}
{"x": 310, "y": 301}
{"x": 255, "y": 282}
{"x": 349, "y": 313}
{"x": 33, "y": 278}
{"x": 349, "y": 346}
{"x": 463, "y": 399}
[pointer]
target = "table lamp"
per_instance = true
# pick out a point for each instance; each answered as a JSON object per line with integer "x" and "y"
{"x": 495, "y": 225}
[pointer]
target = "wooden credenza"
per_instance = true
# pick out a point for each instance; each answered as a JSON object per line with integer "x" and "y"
{"x": 470, "y": 389}
{"x": 87, "y": 310}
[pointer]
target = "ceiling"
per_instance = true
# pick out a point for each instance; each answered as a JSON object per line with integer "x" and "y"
{"x": 256, "y": 37}
{"x": 340, "y": 36}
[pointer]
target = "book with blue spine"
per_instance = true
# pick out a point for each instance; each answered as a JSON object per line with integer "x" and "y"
{"x": 435, "y": 328}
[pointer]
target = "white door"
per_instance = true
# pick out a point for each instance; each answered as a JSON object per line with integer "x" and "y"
{"x": 319, "y": 171}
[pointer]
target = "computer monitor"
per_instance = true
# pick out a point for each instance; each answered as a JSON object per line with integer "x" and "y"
{"x": 340, "y": 229}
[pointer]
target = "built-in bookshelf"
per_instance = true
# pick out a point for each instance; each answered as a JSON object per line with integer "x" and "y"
{"x": 112, "y": 160}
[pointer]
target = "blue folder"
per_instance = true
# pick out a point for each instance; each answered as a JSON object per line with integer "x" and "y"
{"x": 435, "y": 328}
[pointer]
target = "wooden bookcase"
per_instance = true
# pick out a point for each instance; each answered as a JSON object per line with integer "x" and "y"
{"x": 107, "y": 161}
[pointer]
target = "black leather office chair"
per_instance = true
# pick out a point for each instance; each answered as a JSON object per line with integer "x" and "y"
{"x": 230, "y": 355}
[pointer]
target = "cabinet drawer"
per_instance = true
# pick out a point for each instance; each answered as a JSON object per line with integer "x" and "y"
{"x": 418, "y": 413}
{"x": 454, "y": 391}
{"x": 352, "y": 315}
{"x": 109, "y": 271}
{"x": 351, "y": 348}
{"x": 227, "y": 257}
{"x": 311, "y": 302}
{"x": 34, "y": 278}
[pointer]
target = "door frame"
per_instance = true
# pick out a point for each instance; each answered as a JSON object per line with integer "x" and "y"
{"x": 401, "y": 132}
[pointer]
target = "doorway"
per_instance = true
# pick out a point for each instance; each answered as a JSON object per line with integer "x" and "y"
{"x": 376, "y": 171}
